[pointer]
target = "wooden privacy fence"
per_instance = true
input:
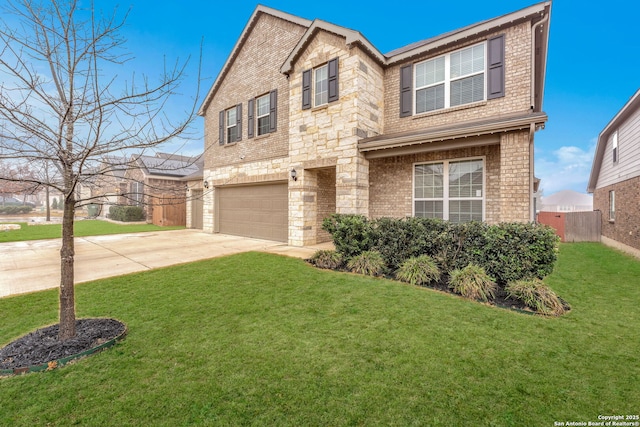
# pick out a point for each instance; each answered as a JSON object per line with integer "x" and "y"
{"x": 574, "y": 226}
{"x": 169, "y": 210}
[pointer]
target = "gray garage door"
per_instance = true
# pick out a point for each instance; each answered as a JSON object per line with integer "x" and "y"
{"x": 258, "y": 211}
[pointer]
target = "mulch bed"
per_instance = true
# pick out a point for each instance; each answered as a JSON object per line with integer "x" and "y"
{"x": 43, "y": 346}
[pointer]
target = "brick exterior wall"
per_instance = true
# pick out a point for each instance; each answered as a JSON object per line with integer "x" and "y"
{"x": 517, "y": 87}
{"x": 626, "y": 227}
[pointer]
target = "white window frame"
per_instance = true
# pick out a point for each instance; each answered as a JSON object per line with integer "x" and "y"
{"x": 612, "y": 205}
{"x": 448, "y": 80}
{"x": 324, "y": 94}
{"x": 137, "y": 190}
{"x": 445, "y": 196}
{"x": 615, "y": 150}
{"x": 263, "y": 116}
{"x": 231, "y": 124}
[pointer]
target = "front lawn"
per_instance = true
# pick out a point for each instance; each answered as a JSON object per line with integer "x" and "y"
{"x": 260, "y": 339}
{"x": 81, "y": 229}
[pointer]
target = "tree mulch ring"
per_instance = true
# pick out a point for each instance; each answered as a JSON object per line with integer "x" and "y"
{"x": 41, "y": 350}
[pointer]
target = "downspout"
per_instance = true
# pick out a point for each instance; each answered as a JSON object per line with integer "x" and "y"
{"x": 533, "y": 59}
{"x": 532, "y": 127}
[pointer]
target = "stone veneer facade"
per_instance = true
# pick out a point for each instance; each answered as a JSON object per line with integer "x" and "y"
{"x": 321, "y": 143}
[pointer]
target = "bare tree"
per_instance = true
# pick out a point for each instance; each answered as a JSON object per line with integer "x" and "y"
{"x": 62, "y": 104}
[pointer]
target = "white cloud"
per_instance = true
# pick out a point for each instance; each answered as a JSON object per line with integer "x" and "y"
{"x": 566, "y": 168}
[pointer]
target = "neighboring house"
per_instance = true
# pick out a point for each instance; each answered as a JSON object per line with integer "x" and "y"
{"x": 158, "y": 184}
{"x": 307, "y": 118}
{"x": 566, "y": 201}
{"x": 615, "y": 176}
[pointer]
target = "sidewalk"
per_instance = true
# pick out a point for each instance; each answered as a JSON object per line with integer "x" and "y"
{"x": 35, "y": 265}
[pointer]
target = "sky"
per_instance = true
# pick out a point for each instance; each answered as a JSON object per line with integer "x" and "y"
{"x": 593, "y": 64}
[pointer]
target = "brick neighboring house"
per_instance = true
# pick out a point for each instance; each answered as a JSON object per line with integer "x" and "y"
{"x": 158, "y": 183}
{"x": 615, "y": 177}
{"x": 307, "y": 118}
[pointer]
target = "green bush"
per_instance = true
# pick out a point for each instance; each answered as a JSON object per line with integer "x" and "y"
{"x": 15, "y": 210}
{"x": 54, "y": 204}
{"x": 369, "y": 263}
{"x": 516, "y": 251}
{"x": 352, "y": 234}
{"x": 421, "y": 271}
{"x": 507, "y": 252}
{"x": 473, "y": 282}
{"x": 327, "y": 259}
{"x": 126, "y": 213}
{"x": 537, "y": 296}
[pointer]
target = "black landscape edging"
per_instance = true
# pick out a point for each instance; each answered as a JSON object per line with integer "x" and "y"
{"x": 53, "y": 364}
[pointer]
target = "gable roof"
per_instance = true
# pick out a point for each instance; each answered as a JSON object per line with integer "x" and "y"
{"x": 259, "y": 10}
{"x": 537, "y": 13}
{"x": 352, "y": 37}
{"x": 567, "y": 197}
{"x": 165, "y": 165}
{"x": 631, "y": 106}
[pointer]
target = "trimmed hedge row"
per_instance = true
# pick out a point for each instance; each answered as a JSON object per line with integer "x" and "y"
{"x": 14, "y": 210}
{"x": 126, "y": 213}
{"x": 507, "y": 251}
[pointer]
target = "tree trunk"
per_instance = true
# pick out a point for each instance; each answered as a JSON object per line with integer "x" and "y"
{"x": 48, "y": 204}
{"x": 67, "y": 252}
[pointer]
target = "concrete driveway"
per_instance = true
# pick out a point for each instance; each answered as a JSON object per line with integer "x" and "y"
{"x": 35, "y": 265}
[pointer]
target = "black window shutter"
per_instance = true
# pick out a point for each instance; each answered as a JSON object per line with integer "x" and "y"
{"x": 406, "y": 90}
{"x": 250, "y": 118}
{"x": 273, "y": 110}
{"x": 495, "y": 67}
{"x": 221, "y": 128}
{"x": 306, "y": 89}
{"x": 239, "y": 121}
{"x": 333, "y": 79}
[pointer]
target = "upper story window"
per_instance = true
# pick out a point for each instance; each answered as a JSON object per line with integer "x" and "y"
{"x": 230, "y": 125}
{"x": 451, "y": 190}
{"x": 263, "y": 114}
{"x": 615, "y": 147}
{"x": 464, "y": 76}
{"x": 320, "y": 85}
{"x": 449, "y": 80}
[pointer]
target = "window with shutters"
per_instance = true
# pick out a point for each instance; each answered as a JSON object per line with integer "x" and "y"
{"x": 262, "y": 114}
{"x": 232, "y": 125}
{"x": 320, "y": 85}
{"x": 451, "y": 190}
{"x": 453, "y": 79}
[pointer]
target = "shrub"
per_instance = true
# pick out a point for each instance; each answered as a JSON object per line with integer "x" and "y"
{"x": 326, "y": 259}
{"x": 126, "y": 213}
{"x": 516, "y": 251}
{"x": 472, "y": 282}
{"x": 15, "y": 209}
{"x": 369, "y": 263}
{"x": 352, "y": 234}
{"x": 537, "y": 296}
{"x": 54, "y": 204}
{"x": 421, "y": 270}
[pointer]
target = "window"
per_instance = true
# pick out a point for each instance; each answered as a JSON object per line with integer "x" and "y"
{"x": 475, "y": 73}
{"x": 264, "y": 109}
{"x": 612, "y": 205}
{"x": 230, "y": 125}
{"x": 454, "y": 79}
{"x": 136, "y": 188}
{"x": 320, "y": 85}
{"x": 263, "y": 114}
{"x": 452, "y": 190}
{"x": 615, "y": 147}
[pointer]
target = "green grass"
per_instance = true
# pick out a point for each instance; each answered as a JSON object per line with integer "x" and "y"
{"x": 259, "y": 339}
{"x": 81, "y": 229}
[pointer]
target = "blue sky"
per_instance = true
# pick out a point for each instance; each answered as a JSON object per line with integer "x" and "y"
{"x": 593, "y": 63}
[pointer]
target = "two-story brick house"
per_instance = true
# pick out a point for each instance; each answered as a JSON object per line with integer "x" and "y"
{"x": 307, "y": 118}
{"x": 615, "y": 178}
